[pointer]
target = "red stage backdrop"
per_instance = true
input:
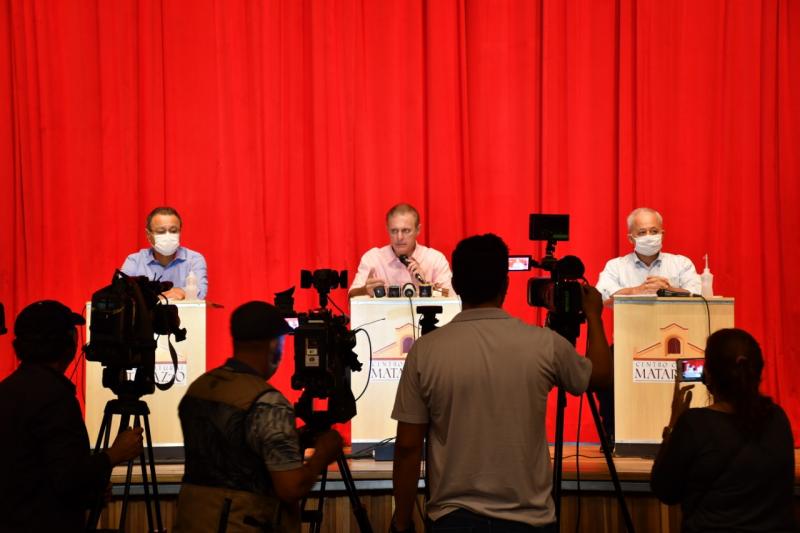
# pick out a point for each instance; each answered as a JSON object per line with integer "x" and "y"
{"x": 283, "y": 130}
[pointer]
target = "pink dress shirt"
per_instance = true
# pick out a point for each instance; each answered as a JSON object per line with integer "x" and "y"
{"x": 386, "y": 265}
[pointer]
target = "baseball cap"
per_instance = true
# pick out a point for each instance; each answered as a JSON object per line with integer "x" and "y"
{"x": 44, "y": 320}
{"x": 257, "y": 320}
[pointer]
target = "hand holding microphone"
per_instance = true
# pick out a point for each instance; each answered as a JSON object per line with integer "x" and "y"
{"x": 412, "y": 266}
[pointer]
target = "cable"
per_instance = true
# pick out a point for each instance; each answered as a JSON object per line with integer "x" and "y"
{"x": 366, "y": 453}
{"x": 708, "y": 313}
{"x": 413, "y": 316}
{"x": 337, "y": 307}
{"x": 578, "y": 464}
{"x": 369, "y": 368}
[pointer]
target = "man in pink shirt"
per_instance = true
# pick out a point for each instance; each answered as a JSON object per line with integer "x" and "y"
{"x": 382, "y": 267}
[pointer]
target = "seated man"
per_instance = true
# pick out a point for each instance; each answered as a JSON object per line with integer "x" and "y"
{"x": 478, "y": 388}
{"x": 403, "y": 260}
{"x": 167, "y": 260}
{"x": 647, "y": 268}
{"x": 244, "y": 468}
{"x": 49, "y": 477}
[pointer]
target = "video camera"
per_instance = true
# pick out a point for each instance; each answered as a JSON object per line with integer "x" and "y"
{"x": 561, "y": 293}
{"x": 323, "y": 353}
{"x": 123, "y": 326}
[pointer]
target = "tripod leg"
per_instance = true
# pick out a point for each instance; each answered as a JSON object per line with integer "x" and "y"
{"x": 102, "y": 436}
{"x": 145, "y": 482}
{"x": 558, "y": 452}
{"x": 151, "y": 458}
{"x": 610, "y": 462}
{"x": 358, "y": 509}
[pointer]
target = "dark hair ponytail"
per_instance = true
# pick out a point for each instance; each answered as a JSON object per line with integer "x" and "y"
{"x": 733, "y": 367}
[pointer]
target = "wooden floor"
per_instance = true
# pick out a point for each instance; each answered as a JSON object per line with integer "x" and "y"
{"x": 593, "y": 508}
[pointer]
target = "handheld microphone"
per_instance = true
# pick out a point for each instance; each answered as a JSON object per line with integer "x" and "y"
{"x": 404, "y": 259}
{"x": 409, "y": 290}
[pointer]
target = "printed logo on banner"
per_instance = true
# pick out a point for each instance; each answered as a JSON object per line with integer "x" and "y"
{"x": 656, "y": 362}
{"x": 163, "y": 373}
{"x": 388, "y": 360}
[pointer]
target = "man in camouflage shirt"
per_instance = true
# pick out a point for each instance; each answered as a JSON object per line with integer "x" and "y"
{"x": 244, "y": 465}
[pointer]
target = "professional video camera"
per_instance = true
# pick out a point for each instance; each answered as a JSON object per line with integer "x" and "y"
{"x": 323, "y": 353}
{"x": 560, "y": 293}
{"x": 123, "y": 326}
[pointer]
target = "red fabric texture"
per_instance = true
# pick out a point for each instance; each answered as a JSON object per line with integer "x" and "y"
{"x": 283, "y": 131}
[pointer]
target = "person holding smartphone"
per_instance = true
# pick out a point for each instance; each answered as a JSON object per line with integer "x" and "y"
{"x": 730, "y": 465}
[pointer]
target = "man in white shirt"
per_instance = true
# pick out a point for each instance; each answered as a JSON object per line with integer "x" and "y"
{"x": 403, "y": 260}
{"x": 647, "y": 268}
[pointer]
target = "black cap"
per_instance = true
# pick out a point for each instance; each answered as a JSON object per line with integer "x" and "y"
{"x": 46, "y": 320}
{"x": 256, "y": 321}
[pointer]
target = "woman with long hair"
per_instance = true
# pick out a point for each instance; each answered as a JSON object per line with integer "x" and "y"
{"x": 730, "y": 465}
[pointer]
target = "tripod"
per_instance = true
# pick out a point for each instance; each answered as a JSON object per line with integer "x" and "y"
{"x": 314, "y": 517}
{"x": 569, "y": 330}
{"x": 127, "y": 407}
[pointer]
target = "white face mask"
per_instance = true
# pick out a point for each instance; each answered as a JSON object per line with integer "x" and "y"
{"x": 648, "y": 245}
{"x": 166, "y": 243}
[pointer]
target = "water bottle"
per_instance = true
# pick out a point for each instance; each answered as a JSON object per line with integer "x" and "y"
{"x": 190, "y": 288}
{"x": 707, "y": 281}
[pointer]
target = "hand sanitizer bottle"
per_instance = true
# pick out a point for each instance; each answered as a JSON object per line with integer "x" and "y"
{"x": 707, "y": 281}
{"x": 190, "y": 289}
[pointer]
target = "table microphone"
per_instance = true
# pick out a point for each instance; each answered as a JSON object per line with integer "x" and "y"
{"x": 669, "y": 293}
{"x": 404, "y": 259}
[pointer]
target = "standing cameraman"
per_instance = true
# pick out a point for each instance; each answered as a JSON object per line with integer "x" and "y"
{"x": 478, "y": 387}
{"x": 49, "y": 479}
{"x": 244, "y": 467}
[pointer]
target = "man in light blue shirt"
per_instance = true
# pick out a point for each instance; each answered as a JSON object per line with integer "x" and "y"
{"x": 166, "y": 259}
{"x": 647, "y": 268}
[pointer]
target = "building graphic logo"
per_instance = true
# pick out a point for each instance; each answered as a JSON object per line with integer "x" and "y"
{"x": 656, "y": 363}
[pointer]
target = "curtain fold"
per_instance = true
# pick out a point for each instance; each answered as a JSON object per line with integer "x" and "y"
{"x": 283, "y": 130}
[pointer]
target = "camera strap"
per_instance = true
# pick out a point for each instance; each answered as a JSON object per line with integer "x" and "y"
{"x": 174, "y": 356}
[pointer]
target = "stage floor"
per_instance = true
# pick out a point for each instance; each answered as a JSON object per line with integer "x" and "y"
{"x": 590, "y": 467}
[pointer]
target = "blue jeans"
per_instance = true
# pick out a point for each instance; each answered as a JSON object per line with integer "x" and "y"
{"x": 463, "y": 521}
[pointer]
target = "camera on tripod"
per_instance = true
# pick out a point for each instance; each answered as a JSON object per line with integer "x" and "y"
{"x": 323, "y": 353}
{"x": 561, "y": 293}
{"x": 123, "y": 327}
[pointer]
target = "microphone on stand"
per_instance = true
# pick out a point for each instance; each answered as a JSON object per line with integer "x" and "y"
{"x": 404, "y": 259}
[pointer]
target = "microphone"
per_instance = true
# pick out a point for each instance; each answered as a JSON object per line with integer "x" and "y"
{"x": 404, "y": 259}
{"x": 669, "y": 293}
{"x": 409, "y": 290}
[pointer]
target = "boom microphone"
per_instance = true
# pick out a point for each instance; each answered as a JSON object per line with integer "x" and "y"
{"x": 404, "y": 259}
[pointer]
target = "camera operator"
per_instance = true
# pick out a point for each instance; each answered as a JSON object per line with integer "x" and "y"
{"x": 730, "y": 465}
{"x": 49, "y": 478}
{"x": 244, "y": 462}
{"x": 478, "y": 387}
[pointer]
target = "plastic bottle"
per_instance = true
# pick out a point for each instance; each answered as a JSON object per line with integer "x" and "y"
{"x": 707, "y": 281}
{"x": 190, "y": 288}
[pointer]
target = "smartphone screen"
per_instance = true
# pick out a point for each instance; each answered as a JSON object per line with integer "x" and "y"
{"x": 293, "y": 322}
{"x": 691, "y": 369}
{"x": 518, "y": 263}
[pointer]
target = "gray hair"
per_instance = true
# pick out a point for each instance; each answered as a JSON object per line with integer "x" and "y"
{"x": 638, "y": 210}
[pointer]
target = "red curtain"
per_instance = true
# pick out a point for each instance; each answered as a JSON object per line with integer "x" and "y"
{"x": 283, "y": 130}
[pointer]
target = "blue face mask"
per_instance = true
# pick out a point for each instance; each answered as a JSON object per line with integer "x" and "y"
{"x": 277, "y": 355}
